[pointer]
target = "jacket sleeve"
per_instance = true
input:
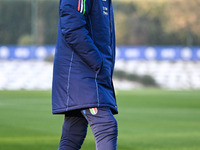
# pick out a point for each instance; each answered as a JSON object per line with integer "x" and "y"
{"x": 73, "y": 27}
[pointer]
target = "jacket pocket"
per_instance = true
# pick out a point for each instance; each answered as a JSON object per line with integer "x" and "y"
{"x": 104, "y": 75}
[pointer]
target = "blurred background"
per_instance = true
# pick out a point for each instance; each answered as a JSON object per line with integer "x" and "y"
{"x": 157, "y": 74}
{"x": 158, "y": 43}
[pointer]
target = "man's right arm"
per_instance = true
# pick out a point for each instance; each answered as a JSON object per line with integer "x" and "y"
{"x": 73, "y": 27}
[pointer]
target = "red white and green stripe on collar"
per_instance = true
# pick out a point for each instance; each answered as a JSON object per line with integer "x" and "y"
{"x": 81, "y": 6}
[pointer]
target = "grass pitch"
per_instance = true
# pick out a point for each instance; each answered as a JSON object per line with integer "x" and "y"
{"x": 147, "y": 119}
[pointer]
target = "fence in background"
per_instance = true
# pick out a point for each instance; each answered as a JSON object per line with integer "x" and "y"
{"x": 171, "y": 53}
{"x": 172, "y": 67}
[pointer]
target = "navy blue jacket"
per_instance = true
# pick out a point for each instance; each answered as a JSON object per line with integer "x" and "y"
{"x": 84, "y": 57}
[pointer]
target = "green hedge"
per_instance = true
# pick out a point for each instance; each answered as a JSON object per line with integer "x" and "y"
{"x": 137, "y": 22}
{"x": 145, "y": 80}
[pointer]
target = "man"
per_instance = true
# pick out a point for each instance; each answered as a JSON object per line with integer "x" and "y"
{"x": 83, "y": 69}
